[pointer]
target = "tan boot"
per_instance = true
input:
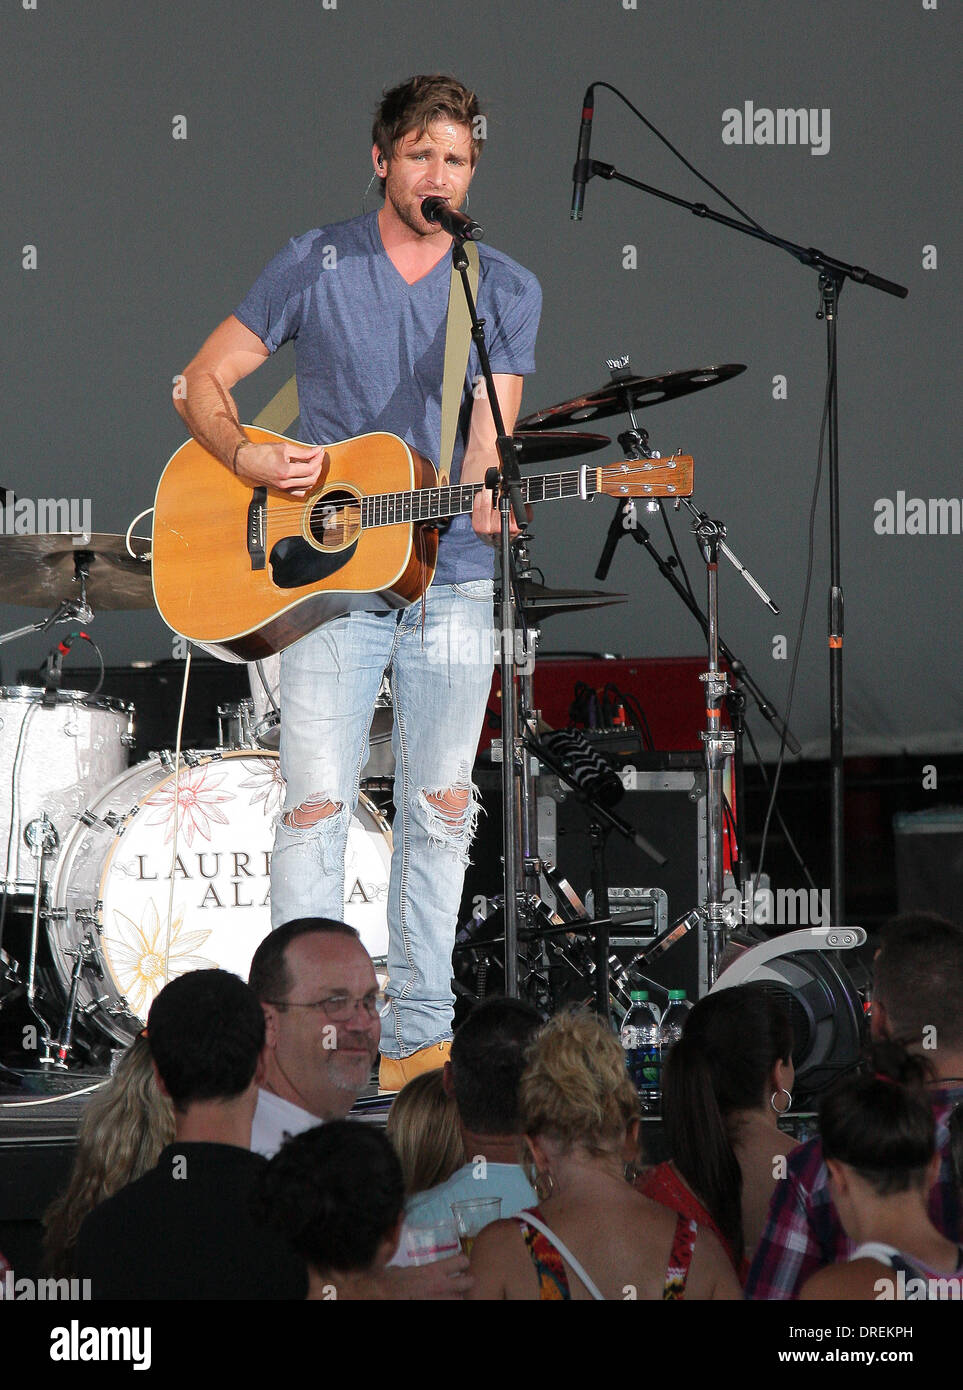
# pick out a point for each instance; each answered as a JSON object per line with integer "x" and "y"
{"x": 395, "y": 1071}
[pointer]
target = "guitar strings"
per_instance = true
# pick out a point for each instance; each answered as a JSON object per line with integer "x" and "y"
{"x": 384, "y": 499}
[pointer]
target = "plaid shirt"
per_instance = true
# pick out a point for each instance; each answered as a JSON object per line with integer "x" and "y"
{"x": 804, "y": 1233}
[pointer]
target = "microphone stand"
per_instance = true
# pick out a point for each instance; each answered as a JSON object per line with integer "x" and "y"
{"x": 832, "y": 275}
{"x": 505, "y": 484}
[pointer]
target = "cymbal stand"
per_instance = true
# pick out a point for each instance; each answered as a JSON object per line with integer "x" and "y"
{"x": 68, "y": 610}
{"x": 711, "y": 917}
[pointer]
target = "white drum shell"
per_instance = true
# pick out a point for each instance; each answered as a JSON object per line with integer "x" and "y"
{"x": 53, "y": 760}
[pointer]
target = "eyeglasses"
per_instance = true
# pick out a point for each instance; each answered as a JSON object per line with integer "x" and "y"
{"x": 338, "y": 1007}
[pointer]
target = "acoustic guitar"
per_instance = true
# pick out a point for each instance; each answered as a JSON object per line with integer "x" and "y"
{"x": 246, "y": 570}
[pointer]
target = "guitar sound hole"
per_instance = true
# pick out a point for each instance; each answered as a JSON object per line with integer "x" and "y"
{"x": 335, "y": 520}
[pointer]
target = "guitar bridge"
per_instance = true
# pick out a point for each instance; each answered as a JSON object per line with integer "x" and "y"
{"x": 256, "y": 528}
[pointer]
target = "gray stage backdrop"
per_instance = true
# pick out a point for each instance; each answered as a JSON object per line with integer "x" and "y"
{"x": 157, "y": 154}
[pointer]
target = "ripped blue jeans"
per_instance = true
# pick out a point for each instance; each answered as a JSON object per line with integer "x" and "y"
{"x": 440, "y": 682}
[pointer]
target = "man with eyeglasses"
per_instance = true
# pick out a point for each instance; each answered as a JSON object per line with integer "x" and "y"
{"x": 322, "y": 1013}
{"x": 322, "y": 1007}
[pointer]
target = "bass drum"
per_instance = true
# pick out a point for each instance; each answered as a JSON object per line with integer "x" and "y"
{"x": 112, "y": 882}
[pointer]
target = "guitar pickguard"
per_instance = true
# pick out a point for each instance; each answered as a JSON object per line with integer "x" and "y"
{"x": 294, "y": 562}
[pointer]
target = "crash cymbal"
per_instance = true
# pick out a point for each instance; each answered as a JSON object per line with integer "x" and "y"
{"x": 543, "y": 445}
{"x": 38, "y": 571}
{"x": 635, "y": 392}
{"x": 538, "y": 601}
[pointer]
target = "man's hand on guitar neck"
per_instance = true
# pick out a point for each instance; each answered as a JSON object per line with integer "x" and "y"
{"x": 481, "y": 454}
{"x": 291, "y": 467}
{"x": 486, "y": 518}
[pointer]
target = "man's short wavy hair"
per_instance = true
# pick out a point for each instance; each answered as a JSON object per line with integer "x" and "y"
{"x": 415, "y": 104}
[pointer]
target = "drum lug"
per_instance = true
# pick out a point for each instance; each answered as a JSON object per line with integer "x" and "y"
{"x": 54, "y": 914}
{"x": 128, "y": 740}
{"x": 192, "y": 758}
{"x": 95, "y": 1004}
{"x": 121, "y": 1010}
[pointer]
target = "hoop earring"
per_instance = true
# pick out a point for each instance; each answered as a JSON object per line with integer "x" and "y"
{"x": 781, "y": 1092}
{"x": 544, "y": 1185}
{"x": 364, "y": 196}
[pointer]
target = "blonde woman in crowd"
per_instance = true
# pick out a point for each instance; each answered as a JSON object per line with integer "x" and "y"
{"x": 423, "y": 1128}
{"x": 591, "y": 1235}
{"x": 125, "y": 1126}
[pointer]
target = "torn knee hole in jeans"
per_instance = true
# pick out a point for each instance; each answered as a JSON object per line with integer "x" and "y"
{"x": 452, "y": 816}
{"x": 312, "y": 810}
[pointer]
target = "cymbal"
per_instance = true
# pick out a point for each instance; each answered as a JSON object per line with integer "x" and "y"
{"x": 538, "y": 601}
{"x": 616, "y": 397}
{"x": 38, "y": 571}
{"x": 542, "y": 445}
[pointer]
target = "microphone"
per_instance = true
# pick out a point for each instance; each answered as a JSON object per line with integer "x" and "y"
{"x": 455, "y": 223}
{"x": 52, "y": 667}
{"x": 590, "y": 772}
{"x": 580, "y": 173}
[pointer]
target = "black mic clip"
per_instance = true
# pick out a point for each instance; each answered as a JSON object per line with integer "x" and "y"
{"x": 52, "y": 672}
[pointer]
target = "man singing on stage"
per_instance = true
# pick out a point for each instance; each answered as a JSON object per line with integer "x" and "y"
{"x": 366, "y": 304}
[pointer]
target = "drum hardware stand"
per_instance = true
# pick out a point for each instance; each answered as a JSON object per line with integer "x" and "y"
{"x": 69, "y": 610}
{"x": 42, "y": 839}
{"x": 720, "y": 744}
{"x": 85, "y": 955}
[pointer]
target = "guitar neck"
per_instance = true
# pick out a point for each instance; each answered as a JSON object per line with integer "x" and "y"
{"x": 439, "y": 503}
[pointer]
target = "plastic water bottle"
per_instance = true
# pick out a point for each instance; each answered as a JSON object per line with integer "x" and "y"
{"x": 640, "y": 1042}
{"x": 673, "y": 1022}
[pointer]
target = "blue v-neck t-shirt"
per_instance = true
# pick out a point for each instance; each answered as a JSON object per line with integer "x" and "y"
{"x": 369, "y": 348}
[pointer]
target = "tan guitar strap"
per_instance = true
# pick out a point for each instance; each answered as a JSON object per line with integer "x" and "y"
{"x": 281, "y": 410}
{"x": 457, "y": 348}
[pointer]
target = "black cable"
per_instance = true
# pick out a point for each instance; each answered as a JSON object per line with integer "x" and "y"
{"x": 100, "y": 658}
{"x": 805, "y": 606}
{"x": 678, "y": 555}
{"x": 779, "y": 816}
{"x": 658, "y": 134}
{"x": 735, "y": 853}
{"x": 638, "y": 713}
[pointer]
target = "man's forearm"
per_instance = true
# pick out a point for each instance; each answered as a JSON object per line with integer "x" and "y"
{"x": 208, "y": 410}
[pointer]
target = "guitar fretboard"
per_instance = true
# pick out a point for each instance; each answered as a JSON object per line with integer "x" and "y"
{"x": 436, "y": 503}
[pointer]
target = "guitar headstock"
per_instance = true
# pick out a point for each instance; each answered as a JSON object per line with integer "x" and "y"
{"x": 660, "y": 477}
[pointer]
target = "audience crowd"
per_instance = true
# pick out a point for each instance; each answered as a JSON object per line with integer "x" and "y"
{"x": 219, "y": 1161}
